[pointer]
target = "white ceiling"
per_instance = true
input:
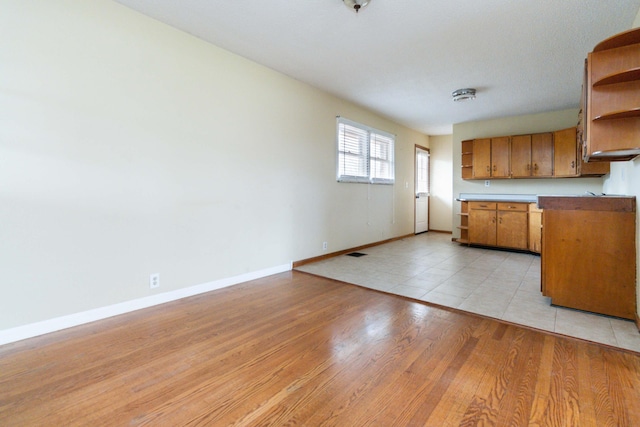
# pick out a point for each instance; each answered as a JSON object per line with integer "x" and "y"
{"x": 403, "y": 58}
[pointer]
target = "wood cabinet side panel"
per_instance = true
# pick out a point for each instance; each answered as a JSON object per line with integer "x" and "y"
{"x": 588, "y": 260}
{"x": 535, "y": 231}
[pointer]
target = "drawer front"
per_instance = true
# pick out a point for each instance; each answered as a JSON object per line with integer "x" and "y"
{"x": 518, "y": 207}
{"x": 482, "y": 205}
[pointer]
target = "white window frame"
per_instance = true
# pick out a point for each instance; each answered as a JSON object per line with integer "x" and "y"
{"x": 372, "y": 154}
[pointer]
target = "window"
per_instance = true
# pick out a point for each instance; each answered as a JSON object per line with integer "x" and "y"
{"x": 364, "y": 154}
{"x": 422, "y": 171}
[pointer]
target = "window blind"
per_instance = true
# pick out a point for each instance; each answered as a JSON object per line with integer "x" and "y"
{"x": 381, "y": 159}
{"x": 364, "y": 154}
{"x": 353, "y": 153}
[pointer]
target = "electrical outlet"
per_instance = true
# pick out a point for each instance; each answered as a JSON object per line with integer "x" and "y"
{"x": 324, "y": 246}
{"x": 154, "y": 280}
{"x": 487, "y": 183}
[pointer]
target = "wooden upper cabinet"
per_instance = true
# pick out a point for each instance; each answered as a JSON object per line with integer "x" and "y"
{"x": 467, "y": 159}
{"x": 598, "y": 168}
{"x": 611, "y": 106}
{"x": 538, "y": 155}
{"x": 521, "y": 156}
{"x": 500, "y": 157}
{"x": 542, "y": 154}
{"x": 532, "y": 155}
{"x": 565, "y": 152}
{"x": 482, "y": 158}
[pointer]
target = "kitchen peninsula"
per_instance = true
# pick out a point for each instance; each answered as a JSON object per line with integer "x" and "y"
{"x": 587, "y": 244}
{"x": 589, "y": 253}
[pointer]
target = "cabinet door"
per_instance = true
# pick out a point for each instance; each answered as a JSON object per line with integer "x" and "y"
{"x": 521, "y": 156}
{"x": 482, "y": 227}
{"x": 482, "y": 158}
{"x": 565, "y": 152}
{"x": 513, "y": 228}
{"x": 542, "y": 154}
{"x": 500, "y": 153}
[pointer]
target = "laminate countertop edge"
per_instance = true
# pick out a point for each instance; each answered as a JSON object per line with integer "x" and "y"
{"x": 509, "y": 198}
{"x": 588, "y": 203}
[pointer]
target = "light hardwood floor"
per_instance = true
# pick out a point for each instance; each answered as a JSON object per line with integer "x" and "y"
{"x": 297, "y": 349}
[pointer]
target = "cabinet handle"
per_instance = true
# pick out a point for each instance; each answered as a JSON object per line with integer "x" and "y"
{"x": 495, "y": 168}
{"x": 573, "y": 165}
{"x": 500, "y": 220}
{"x": 488, "y": 168}
{"x": 528, "y": 166}
{"x": 512, "y": 207}
{"x": 535, "y": 167}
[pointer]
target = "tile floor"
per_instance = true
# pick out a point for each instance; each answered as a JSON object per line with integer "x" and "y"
{"x": 500, "y": 284}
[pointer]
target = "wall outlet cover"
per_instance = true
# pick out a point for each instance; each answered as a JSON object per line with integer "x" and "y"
{"x": 154, "y": 280}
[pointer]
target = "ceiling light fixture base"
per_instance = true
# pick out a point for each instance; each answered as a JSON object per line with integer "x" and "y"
{"x": 356, "y": 4}
{"x": 463, "y": 94}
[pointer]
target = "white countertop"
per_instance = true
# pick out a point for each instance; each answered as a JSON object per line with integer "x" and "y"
{"x": 525, "y": 198}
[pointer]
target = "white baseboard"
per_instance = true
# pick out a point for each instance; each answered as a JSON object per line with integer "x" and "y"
{"x": 56, "y": 324}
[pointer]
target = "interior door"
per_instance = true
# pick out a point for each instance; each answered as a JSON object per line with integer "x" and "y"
{"x": 422, "y": 190}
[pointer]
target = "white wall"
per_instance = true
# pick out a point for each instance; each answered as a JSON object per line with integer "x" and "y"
{"x": 625, "y": 179}
{"x": 532, "y": 123}
{"x": 129, "y": 148}
{"x": 440, "y": 202}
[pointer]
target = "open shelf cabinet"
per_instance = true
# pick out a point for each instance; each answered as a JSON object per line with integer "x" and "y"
{"x": 464, "y": 223}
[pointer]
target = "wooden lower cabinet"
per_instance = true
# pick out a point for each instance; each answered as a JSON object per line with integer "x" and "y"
{"x": 535, "y": 228}
{"x": 512, "y": 229}
{"x": 502, "y": 225}
{"x": 482, "y": 223}
{"x": 589, "y": 253}
{"x": 464, "y": 223}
